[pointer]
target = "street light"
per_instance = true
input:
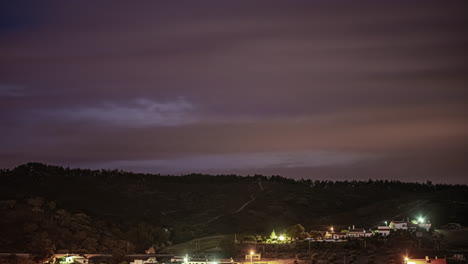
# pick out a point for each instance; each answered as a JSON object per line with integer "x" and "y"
{"x": 281, "y": 237}
{"x": 331, "y": 228}
{"x": 251, "y": 254}
{"x": 421, "y": 220}
{"x": 386, "y": 224}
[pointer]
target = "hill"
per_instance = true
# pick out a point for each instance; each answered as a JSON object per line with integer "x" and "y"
{"x": 157, "y": 209}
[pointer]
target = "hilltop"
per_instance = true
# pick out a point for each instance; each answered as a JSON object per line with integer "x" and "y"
{"x": 171, "y": 209}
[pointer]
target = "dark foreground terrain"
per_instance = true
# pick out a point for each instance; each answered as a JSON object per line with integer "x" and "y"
{"x": 47, "y": 208}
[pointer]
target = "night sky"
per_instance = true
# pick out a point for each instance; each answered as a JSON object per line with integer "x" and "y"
{"x": 303, "y": 89}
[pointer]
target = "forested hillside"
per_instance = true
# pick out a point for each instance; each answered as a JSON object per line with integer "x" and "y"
{"x": 101, "y": 210}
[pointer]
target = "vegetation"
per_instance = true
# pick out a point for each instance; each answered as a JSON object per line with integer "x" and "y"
{"x": 48, "y": 208}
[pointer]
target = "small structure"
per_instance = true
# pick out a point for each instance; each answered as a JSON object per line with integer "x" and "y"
{"x": 150, "y": 250}
{"x": 426, "y": 226}
{"x": 458, "y": 257}
{"x": 359, "y": 232}
{"x": 73, "y": 259}
{"x": 341, "y": 235}
{"x": 149, "y": 260}
{"x": 398, "y": 225}
{"x": 384, "y": 230}
{"x": 453, "y": 226}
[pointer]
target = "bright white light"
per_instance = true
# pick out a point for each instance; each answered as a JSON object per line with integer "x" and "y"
{"x": 281, "y": 237}
{"x": 421, "y": 220}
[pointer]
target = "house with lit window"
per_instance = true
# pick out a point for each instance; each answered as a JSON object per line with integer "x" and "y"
{"x": 398, "y": 225}
{"x": 67, "y": 259}
{"x": 359, "y": 232}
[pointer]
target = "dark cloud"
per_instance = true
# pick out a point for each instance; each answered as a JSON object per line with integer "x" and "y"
{"x": 159, "y": 85}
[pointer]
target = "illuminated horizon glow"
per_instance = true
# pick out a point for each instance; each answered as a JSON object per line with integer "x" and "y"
{"x": 121, "y": 86}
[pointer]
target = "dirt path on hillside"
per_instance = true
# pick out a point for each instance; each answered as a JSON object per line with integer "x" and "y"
{"x": 252, "y": 198}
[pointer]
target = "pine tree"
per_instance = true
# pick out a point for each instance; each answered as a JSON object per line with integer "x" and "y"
{"x": 273, "y": 235}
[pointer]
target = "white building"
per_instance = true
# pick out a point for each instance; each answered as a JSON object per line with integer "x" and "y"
{"x": 397, "y": 225}
{"x": 384, "y": 230}
{"x": 359, "y": 232}
{"x": 72, "y": 259}
{"x": 140, "y": 261}
{"x": 341, "y": 235}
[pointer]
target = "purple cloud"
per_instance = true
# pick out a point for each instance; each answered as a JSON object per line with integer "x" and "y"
{"x": 139, "y": 112}
{"x": 183, "y": 84}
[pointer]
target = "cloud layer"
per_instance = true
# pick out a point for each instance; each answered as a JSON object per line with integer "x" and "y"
{"x": 234, "y": 87}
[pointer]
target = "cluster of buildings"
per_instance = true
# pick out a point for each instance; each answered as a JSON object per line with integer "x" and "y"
{"x": 68, "y": 259}
{"x": 252, "y": 258}
{"x": 192, "y": 260}
{"x": 384, "y": 230}
{"x": 425, "y": 261}
{"x": 413, "y": 225}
